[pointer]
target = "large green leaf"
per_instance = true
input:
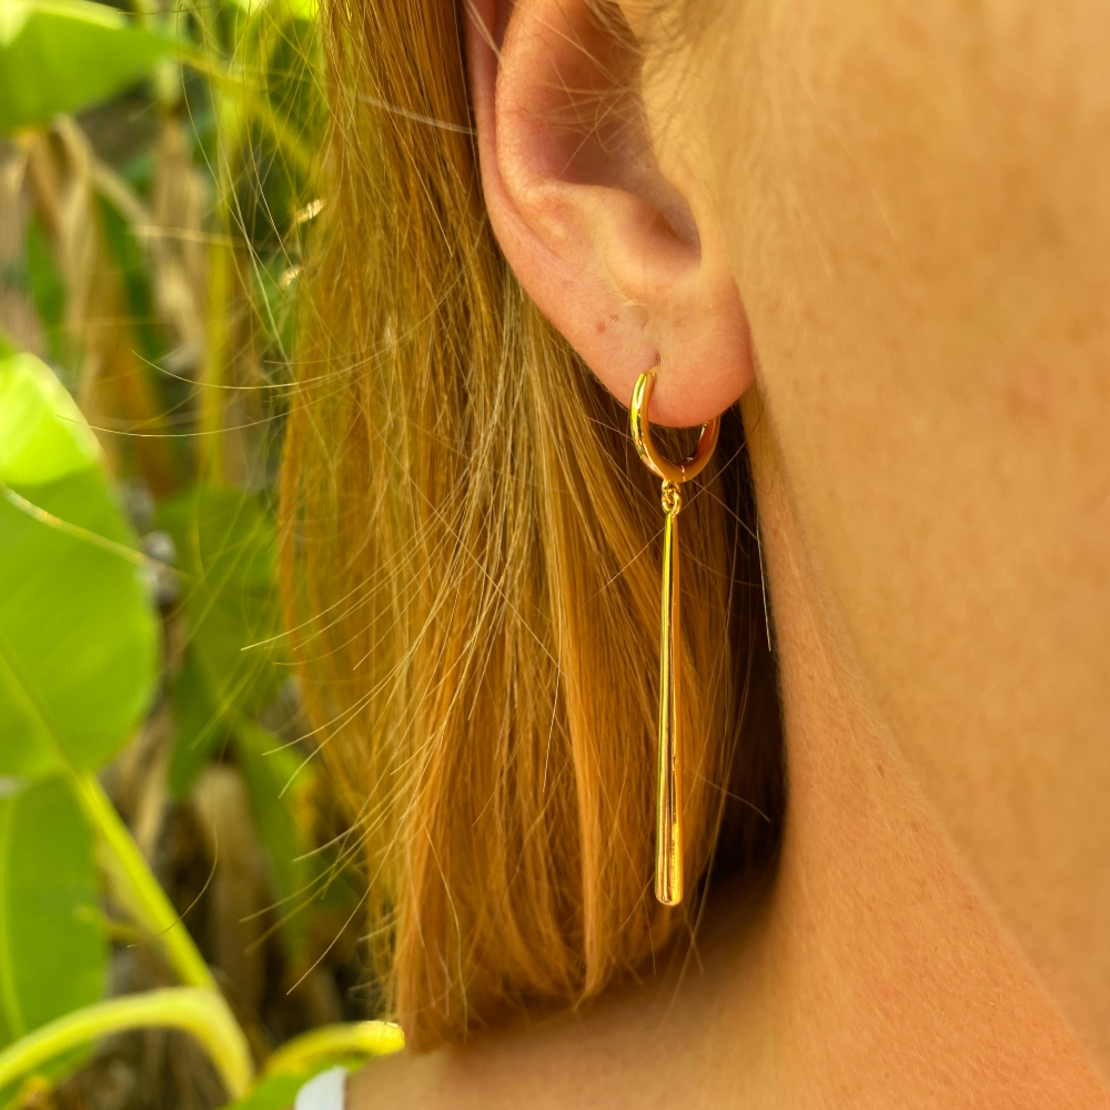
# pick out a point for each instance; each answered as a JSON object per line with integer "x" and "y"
{"x": 53, "y": 951}
{"x": 226, "y": 550}
{"x": 78, "y": 634}
{"x": 62, "y": 55}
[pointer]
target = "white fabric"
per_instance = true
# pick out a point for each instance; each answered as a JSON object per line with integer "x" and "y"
{"x": 325, "y": 1091}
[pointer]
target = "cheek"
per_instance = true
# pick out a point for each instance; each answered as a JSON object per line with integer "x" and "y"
{"x": 917, "y": 202}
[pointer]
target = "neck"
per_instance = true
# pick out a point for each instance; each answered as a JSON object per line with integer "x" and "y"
{"x": 872, "y": 974}
{"x": 884, "y": 977}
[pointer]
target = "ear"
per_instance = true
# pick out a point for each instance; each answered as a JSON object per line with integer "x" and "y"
{"x": 630, "y": 268}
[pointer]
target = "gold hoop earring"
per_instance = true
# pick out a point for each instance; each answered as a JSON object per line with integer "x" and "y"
{"x": 668, "y": 814}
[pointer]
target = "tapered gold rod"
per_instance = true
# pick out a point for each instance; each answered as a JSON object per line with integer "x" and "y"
{"x": 668, "y": 830}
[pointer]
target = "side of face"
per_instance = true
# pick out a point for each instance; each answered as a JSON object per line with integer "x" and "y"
{"x": 891, "y": 236}
{"x": 916, "y": 205}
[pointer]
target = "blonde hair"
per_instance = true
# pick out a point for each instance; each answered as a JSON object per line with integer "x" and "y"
{"x": 471, "y": 567}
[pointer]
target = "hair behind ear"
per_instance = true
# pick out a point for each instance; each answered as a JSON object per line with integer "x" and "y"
{"x": 470, "y": 560}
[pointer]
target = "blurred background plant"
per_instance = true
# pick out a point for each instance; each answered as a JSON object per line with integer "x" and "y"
{"x": 178, "y": 910}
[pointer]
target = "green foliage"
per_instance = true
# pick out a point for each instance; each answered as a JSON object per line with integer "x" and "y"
{"x": 233, "y": 667}
{"x": 61, "y": 55}
{"x": 226, "y": 551}
{"x": 277, "y": 778}
{"x": 78, "y": 640}
{"x": 43, "y": 437}
{"x": 201, "y": 730}
{"x": 53, "y": 953}
{"x": 47, "y": 289}
{"x": 274, "y": 1092}
{"x": 126, "y": 252}
{"x": 138, "y": 579}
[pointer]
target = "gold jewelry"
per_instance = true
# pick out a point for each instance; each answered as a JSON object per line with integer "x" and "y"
{"x": 668, "y": 816}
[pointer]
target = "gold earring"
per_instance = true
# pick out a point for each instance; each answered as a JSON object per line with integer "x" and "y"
{"x": 668, "y": 816}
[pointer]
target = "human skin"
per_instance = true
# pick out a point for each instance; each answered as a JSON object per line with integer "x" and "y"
{"x": 885, "y": 227}
{"x": 938, "y": 384}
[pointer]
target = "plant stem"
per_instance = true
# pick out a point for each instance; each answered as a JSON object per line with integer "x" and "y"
{"x": 138, "y": 888}
{"x": 360, "y": 1038}
{"x": 147, "y": 903}
{"x": 199, "y": 1012}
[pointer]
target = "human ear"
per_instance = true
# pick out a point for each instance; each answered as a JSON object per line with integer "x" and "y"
{"x": 631, "y": 267}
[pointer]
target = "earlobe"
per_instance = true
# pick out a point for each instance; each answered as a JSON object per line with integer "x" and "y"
{"x": 631, "y": 270}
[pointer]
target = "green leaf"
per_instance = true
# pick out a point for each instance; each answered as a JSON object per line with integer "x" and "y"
{"x": 226, "y": 549}
{"x": 43, "y": 436}
{"x": 48, "y": 292}
{"x": 348, "y": 1045}
{"x": 274, "y": 1092}
{"x": 200, "y": 728}
{"x": 78, "y": 636}
{"x": 298, "y": 9}
{"x": 121, "y": 240}
{"x": 278, "y": 781}
{"x": 63, "y": 55}
{"x": 303, "y": 9}
{"x": 53, "y": 952}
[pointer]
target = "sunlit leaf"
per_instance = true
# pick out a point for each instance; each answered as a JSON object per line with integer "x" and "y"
{"x": 273, "y": 1092}
{"x": 43, "y": 437}
{"x": 78, "y": 635}
{"x": 53, "y": 951}
{"x": 298, "y": 9}
{"x": 303, "y": 9}
{"x": 62, "y": 55}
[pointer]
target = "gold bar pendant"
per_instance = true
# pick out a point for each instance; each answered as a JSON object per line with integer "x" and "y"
{"x": 668, "y": 821}
{"x": 668, "y": 830}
